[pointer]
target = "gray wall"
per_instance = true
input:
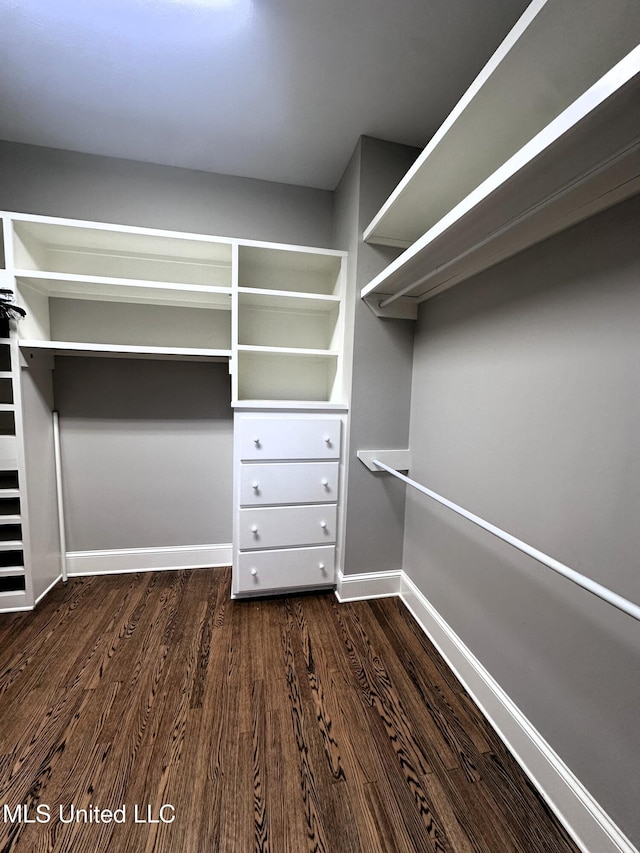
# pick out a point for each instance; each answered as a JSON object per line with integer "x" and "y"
{"x": 381, "y": 381}
{"x": 526, "y": 411}
{"x": 146, "y": 451}
{"x": 83, "y": 186}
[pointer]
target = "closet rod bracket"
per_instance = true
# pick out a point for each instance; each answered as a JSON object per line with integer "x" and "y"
{"x": 400, "y": 460}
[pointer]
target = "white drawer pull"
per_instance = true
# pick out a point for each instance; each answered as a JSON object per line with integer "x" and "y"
{"x": 254, "y": 528}
{"x": 256, "y": 441}
{"x": 327, "y": 439}
{"x": 255, "y": 485}
{"x": 323, "y": 525}
{"x": 324, "y": 482}
{"x": 254, "y": 572}
{"x": 321, "y": 567}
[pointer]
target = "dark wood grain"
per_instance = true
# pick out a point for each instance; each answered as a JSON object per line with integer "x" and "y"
{"x": 281, "y": 725}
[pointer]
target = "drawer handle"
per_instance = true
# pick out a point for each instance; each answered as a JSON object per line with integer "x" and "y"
{"x": 321, "y": 566}
{"x": 323, "y": 525}
{"x": 256, "y": 441}
{"x": 254, "y": 528}
{"x": 253, "y": 572}
{"x": 255, "y": 485}
{"x": 327, "y": 440}
{"x": 324, "y": 482}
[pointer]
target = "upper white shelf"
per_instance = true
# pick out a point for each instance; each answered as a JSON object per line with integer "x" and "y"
{"x": 92, "y": 249}
{"x": 583, "y": 161}
{"x": 555, "y": 52}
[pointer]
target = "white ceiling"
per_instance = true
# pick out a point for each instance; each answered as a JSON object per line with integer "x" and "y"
{"x": 273, "y": 89}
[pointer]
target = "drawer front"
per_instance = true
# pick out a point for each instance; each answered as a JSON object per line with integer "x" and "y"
{"x": 262, "y": 571}
{"x": 289, "y": 483}
{"x": 289, "y": 438}
{"x": 281, "y": 527}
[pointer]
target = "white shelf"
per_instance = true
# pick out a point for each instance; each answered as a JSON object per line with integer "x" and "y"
{"x": 278, "y": 373}
{"x": 9, "y": 493}
{"x": 9, "y": 519}
{"x": 287, "y": 300}
{"x": 11, "y": 571}
{"x": 554, "y": 53}
{"x": 584, "y": 161}
{"x": 117, "y": 351}
{"x": 303, "y": 352}
{"x": 84, "y": 248}
{"x": 293, "y": 405}
{"x": 11, "y": 545}
{"x": 294, "y": 270}
{"x": 103, "y": 288}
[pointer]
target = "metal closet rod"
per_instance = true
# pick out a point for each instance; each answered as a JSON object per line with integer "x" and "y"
{"x": 591, "y": 586}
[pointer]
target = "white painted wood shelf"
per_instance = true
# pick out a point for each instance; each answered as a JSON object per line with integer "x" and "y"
{"x": 460, "y": 210}
{"x": 111, "y": 289}
{"x": 119, "y": 351}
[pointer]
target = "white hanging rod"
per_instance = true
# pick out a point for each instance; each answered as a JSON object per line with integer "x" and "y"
{"x": 591, "y": 586}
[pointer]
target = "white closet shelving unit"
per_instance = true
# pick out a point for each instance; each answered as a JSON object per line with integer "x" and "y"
{"x": 273, "y": 311}
{"x": 13, "y": 577}
{"x": 290, "y": 326}
{"x": 546, "y": 136}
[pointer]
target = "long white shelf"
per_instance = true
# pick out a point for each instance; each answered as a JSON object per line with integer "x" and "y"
{"x": 120, "y": 351}
{"x": 12, "y": 571}
{"x": 104, "y": 288}
{"x": 585, "y": 160}
{"x": 554, "y": 53}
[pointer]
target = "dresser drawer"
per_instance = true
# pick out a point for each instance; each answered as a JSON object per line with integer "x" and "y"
{"x": 289, "y": 438}
{"x": 281, "y": 527}
{"x": 262, "y": 571}
{"x": 289, "y": 483}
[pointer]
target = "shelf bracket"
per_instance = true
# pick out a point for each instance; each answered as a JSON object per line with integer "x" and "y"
{"x": 403, "y": 308}
{"x": 399, "y": 460}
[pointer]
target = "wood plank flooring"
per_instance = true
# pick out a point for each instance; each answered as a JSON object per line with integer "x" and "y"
{"x": 287, "y": 725}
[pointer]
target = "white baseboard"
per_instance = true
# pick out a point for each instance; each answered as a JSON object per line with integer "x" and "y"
{"x": 147, "y": 559}
{"x": 48, "y": 589}
{"x": 364, "y": 586}
{"x": 587, "y": 823}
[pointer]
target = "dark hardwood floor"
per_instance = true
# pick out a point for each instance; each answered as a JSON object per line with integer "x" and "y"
{"x": 287, "y": 724}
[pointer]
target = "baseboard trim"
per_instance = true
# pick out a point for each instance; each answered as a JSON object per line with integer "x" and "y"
{"x": 118, "y": 561}
{"x": 588, "y": 824}
{"x": 365, "y": 586}
{"x": 48, "y": 589}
